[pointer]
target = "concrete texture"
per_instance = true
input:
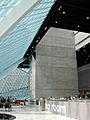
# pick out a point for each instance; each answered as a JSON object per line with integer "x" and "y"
{"x": 56, "y": 70}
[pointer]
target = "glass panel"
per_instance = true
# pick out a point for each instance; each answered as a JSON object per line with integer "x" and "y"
{"x": 16, "y": 84}
{"x": 6, "y": 6}
{"x": 15, "y": 44}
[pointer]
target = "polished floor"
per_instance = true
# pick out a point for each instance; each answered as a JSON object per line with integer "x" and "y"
{"x": 34, "y": 113}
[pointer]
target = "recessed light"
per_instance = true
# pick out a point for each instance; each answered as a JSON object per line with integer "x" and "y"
{"x": 87, "y": 18}
{"x": 84, "y": 50}
{"x": 32, "y": 47}
{"x": 45, "y": 28}
{"x": 78, "y": 50}
{"x": 83, "y": 46}
{"x": 85, "y": 61}
{"x": 36, "y": 40}
{"x": 78, "y": 26}
{"x": 64, "y": 12}
{"x": 56, "y": 22}
{"x": 59, "y": 8}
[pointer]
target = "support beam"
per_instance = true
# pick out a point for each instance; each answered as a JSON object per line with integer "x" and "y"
{"x": 56, "y": 69}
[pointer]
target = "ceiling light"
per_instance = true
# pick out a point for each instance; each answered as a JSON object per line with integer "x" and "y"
{"x": 32, "y": 47}
{"x": 84, "y": 50}
{"x": 83, "y": 46}
{"x": 87, "y": 18}
{"x": 45, "y": 28}
{"x": 78, "y": 50}
{"x": 36, "y": 40}
{"x": 56, "y": 22}
{"x": 64, "y": 12}
{"x": 78, "y": 26}
{"x": 85, "y": 61}
{"x": 59, "y": 8}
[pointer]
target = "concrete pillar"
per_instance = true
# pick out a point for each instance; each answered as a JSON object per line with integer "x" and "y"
{"x": 56, "y": 70}
{"x": 33, "y": 78}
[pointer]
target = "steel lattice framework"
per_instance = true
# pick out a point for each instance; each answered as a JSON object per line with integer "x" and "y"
{"x": 17, "y": 84}
{"x": 15, "y": 43}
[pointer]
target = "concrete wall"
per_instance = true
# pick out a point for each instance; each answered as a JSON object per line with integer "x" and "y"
{"x": 56, "y": 73}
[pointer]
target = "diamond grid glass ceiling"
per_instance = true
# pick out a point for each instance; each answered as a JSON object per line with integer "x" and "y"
{"x": 16, "y": 84}
{"x": 15, "y": 44}
{"x": 6, "y": 6}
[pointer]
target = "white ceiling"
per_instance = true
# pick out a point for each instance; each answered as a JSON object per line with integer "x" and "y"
{"x": 81, "y": 39}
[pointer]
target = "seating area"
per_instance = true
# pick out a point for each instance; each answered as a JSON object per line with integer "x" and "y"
{"x": 6, "y": 107}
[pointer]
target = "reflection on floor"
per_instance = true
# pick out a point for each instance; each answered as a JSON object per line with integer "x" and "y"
{"x": 34, "y": 113}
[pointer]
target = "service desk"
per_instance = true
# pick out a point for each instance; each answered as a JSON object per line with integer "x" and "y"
{"x": 78, "y": 109}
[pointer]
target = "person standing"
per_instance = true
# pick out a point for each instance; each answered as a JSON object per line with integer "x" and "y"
{"x": 42, "y": 104}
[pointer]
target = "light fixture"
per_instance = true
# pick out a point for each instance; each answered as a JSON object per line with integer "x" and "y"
{"x": 45, "y": 28}
{"x": 85, "y": 61}
{"x": 32, "y": 47}
{"x": 59, "y": 8}
{"x": 87, "y": 18}
{"x": 36, "y": 41}
{"x": 64, "y": 12}
{"x": 56, "y": 22}
{"x": 84, "y": 50}
{"x": 78, "y": 50}
{"x": 78, "y": 26}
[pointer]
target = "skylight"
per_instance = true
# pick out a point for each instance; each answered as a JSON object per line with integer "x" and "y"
{"x": 6, "y": 6}
{"x": 16, "y": 43}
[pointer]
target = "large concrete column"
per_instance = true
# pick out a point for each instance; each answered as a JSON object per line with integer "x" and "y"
{"x": 56, "y": 70}
{"x": 33, "y": 78}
